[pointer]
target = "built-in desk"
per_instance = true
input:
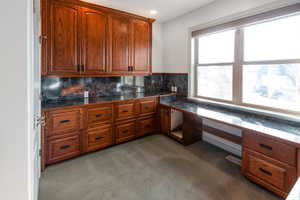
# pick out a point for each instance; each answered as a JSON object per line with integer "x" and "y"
{"x": 270, "y": 146}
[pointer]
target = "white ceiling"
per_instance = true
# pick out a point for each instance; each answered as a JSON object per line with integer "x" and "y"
{"x": 166, "y": 9}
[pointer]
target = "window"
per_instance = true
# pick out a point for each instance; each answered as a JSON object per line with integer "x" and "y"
{"x": 215, "y": 65}
{"x": 215, "y": 82}
{"x": 255, "y": 65}
{"x": 271, "y": 85}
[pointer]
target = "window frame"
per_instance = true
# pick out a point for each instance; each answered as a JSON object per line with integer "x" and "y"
{"x": 238, "y": 63}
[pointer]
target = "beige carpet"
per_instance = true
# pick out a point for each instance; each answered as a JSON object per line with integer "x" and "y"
{"x": 152, "y": 168}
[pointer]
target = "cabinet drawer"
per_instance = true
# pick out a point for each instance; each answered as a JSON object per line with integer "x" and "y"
{"x": 62, "y": 149}
{"x": 125, "y": 132}
{"x": 99, "y": 137}
{"x": 64, "y": 121}
{"x": 148, "y": 106}
{"x": 124, "y": 111}
{"x": 270, "y": 171}
{"x": 99, "y": 115}
{"x": 267, "y": 171}
{"x": 269, "y": 147}
{"x": 146, "y": 126}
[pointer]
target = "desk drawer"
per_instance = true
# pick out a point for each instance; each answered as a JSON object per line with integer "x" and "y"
{"x": 269, "y": 147}
{"x": 64, "y": 121}
{"x": 125, "y": 132}
{"x": 270, "y": 171}
{"x": 62, "y": 149}
{"x": 99, "y": 137}
{"x": 99, "y": 115}
{"x": 267, "y": 171}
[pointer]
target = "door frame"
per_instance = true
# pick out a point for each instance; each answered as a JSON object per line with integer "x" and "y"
{"x": 33, "y": 63}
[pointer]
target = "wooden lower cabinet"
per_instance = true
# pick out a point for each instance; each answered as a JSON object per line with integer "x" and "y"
{"x": 99, "y": 114}
{"x": 274, "y": 149}
{"x": 274, "y": 175}
{"x": 125, "y": 131}
{"x": 165, "y": 120}
{"x": 125, "y": 110}
{"x": 146, "y": 126}
{"x": 147, "y": 106}
{"x": 98, "y": 137}
{"x": 63, "y": 148}
{"x": 61, "y": 121}
{"x": 269, "y": 163}
{"x": 73, "y": 131}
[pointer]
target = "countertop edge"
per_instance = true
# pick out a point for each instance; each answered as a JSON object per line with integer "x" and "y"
{"x": 102, "y": 102}
{"x": 263, "y": 133}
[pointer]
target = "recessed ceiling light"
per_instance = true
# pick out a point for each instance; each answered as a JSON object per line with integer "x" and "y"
{"x": 153, "y": 12}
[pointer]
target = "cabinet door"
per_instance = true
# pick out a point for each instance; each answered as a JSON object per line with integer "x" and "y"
{"x": 94, "y": 41}
{"x": 165, "y": 120}
{"x": 63, "y": 51}
{"x": 141, "y": 46}
{"x": 120, "y": 50}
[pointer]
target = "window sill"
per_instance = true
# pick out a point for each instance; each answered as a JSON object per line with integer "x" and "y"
{"x": 277, "y": 115}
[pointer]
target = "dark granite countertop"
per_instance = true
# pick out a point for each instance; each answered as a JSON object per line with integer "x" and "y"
{"x": 283, "y": 129}
{"x": 52, "y": 104}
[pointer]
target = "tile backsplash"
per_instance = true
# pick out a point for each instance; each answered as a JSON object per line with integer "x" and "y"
{"x": 55, "y": 88}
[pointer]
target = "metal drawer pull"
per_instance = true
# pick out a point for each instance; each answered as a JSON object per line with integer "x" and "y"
{"x": 125, "y": 111}
{"x": 98, "y": 138}
{"x": 65, "y": 147}
{"x": 64, "y": 121}
{"x": 125, "y": 131}
{"x": 146, "y": 107}
{"x": 99, "y": 115}
{"x": 266, "y": 147}
{"x": 265, "y": 171}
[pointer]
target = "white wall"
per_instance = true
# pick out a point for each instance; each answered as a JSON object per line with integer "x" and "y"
{"x": 14, "y": 136}
{"x": 157, "y": 45}
{"x": 176, "y": 31}
{"x": 176, "y": 43}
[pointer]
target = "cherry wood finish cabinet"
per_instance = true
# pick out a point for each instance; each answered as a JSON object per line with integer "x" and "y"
{"x": 94, "y": 30}
{"x": 61, "y": 136}
{"x": 269, "y": 163}
{"x": 120, "y": 44}
{"x": 98, "y": 132}
{"x": 98, "y": 137}
{"x": 82, "y": 39}
{"x": 72, "y": 131}
{"x": 125, "y": 131}
{"x": 63, "y": 52}
{"x": 141, "y": 44}
{"x": 165, "y": 120}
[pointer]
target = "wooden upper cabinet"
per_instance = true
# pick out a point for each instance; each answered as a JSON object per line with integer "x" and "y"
{"x": 94, "y": 41}
{"x": 81, "y": 39}
{"x": 141, "y": 46}
{"x": 120, "y": 44}
{"x": 63, "y": 45}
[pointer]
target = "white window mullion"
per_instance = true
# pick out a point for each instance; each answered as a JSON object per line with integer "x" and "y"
{"x": 196, "y": 60}
{"x": 238, "y": 67}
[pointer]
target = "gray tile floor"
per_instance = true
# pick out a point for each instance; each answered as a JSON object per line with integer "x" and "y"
{"x": 152, "y": 168}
